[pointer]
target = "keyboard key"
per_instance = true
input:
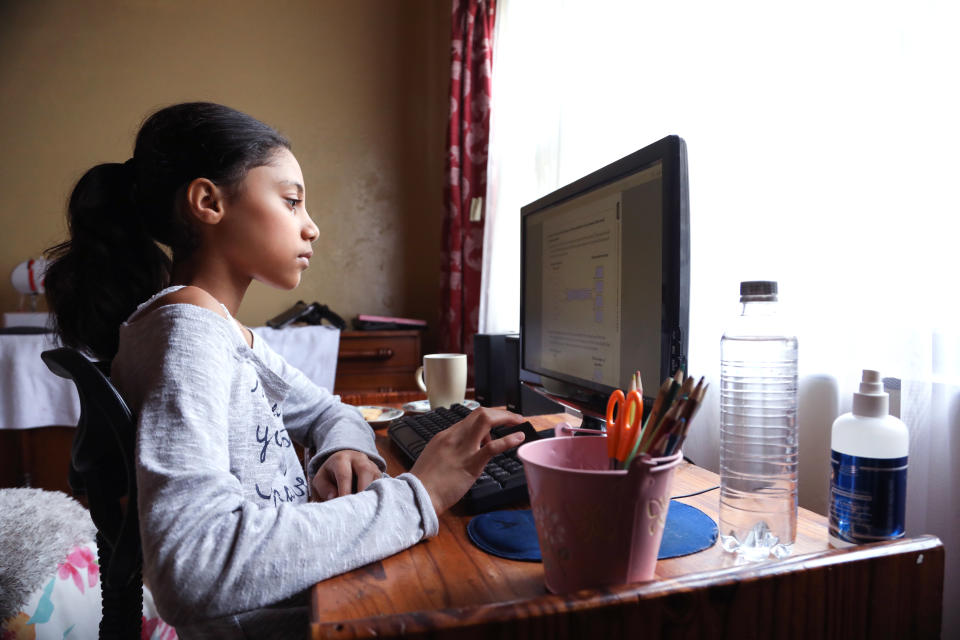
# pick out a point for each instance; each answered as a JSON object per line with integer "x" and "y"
{"x": 514, "y": 481}
{"x": 406, "y": 439}
{"x": 502, "y": 482}
{"x": 485, "y": 489}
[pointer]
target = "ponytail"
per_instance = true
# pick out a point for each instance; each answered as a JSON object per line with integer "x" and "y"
{"x": 118, "y": 213}
{"x": 109, "y": 265}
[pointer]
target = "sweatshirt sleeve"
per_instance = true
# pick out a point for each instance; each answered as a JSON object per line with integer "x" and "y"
{"x": 209, "y": 552}
{"x": 315, "y": 418}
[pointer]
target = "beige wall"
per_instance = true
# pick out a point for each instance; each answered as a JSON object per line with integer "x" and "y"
{"x": 359, "y": 87}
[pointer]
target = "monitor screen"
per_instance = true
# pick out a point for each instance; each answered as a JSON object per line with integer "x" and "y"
{"x": 605, "y": 279}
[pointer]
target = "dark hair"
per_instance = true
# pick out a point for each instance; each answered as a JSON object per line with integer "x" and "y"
{"x": 118, "y": 212}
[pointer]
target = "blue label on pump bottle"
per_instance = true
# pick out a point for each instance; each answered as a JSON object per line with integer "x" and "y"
{"x": 868, "y": 497}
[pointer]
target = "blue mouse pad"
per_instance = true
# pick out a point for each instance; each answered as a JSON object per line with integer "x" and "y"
{"x": 687, "y": 531}
{"x": 508, "y": 534}
{"x": 512, "y": 534}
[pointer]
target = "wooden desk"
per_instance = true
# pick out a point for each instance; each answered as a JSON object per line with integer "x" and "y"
{"x": 446, "y": 587}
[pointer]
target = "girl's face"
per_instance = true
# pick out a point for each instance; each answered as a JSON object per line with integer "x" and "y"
{"x": 266, "y": 232}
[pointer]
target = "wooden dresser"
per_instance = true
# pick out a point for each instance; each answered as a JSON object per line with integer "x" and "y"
{"x": 380, "y": 361}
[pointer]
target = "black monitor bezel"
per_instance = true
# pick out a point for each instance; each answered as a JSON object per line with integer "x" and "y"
{"x": 588, "y": 396}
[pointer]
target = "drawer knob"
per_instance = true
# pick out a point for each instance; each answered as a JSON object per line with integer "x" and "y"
{"x": 369, "y": 354}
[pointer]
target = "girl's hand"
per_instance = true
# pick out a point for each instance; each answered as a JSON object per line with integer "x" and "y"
{"x": 337, "y": 474}
{"x": 452, "y": 460}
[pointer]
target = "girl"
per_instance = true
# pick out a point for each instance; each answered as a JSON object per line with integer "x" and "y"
{"x": 230, "y": 543}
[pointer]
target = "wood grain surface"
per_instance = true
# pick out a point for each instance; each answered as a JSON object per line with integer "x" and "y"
{"x": 446, "y": 587}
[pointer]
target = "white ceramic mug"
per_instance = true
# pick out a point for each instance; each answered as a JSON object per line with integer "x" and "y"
{"x": 444, "y": 377}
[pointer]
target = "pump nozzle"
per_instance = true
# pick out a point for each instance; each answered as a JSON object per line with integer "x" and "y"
{"x": 871, "y": 382}
{"x": 871, "y": 401}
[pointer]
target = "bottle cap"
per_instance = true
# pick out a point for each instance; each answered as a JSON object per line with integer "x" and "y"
{"x": 871, "y": 401}
{"x": 758, "y": 291}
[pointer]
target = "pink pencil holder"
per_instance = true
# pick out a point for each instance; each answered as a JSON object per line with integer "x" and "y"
{"x": 596, "y": 527}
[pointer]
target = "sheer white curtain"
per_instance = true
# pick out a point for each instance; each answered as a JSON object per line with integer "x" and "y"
{"x": 824, "y": 152}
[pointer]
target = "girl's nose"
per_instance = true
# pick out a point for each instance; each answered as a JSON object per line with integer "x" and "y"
{"x": 310, "y": 230}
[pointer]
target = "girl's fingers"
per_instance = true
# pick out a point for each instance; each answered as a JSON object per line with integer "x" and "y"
{"x": 498, "y": 446}
{"x": 366, "y": 474}
{"x": 343, "y": 475}
{"x": 322, "y": 486}
{"x": 479, "y": 423}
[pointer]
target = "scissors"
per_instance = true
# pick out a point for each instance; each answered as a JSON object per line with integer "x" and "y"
{"x": 622, "y": 431}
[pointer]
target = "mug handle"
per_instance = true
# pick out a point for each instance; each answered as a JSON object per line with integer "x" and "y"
{"x": 418, "y": 376}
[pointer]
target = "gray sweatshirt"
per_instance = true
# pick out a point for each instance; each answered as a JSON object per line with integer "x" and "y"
{"x": 228, "y": 535}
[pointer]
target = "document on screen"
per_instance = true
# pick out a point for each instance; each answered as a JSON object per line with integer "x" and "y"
{"x": 581, "y": 290}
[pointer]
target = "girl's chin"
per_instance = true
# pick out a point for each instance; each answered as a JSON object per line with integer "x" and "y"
{"x": 286, "y": 285}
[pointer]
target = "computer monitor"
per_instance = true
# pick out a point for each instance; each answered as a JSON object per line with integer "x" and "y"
{"x": 605, "y": 284}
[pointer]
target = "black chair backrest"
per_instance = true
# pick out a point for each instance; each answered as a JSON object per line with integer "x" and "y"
{"x": 102, "y": 466}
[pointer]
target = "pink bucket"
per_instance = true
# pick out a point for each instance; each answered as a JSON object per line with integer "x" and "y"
{"x": 596, "y": 527}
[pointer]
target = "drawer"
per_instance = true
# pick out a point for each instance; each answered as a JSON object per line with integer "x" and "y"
{"x": 381, "y": 382}
{"x": 377, "y": 361}
{"x": 377, "y": 352}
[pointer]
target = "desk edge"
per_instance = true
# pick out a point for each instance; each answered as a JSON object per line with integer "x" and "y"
{"x": 424, "y": 622}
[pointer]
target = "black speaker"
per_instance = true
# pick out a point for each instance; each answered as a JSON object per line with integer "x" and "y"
{"x": 519, "y": 398}
{"x": 511, "y": 372}
{"x": 488, "y": 369}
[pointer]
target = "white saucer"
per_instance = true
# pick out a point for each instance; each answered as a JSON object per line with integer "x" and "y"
{"x": 382, "y": 419}
{"x": 422, "y": 406}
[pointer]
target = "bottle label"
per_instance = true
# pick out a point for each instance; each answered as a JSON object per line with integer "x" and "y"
{"x": 868, "y": 497}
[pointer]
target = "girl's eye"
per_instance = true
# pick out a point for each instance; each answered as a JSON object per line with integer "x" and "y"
{"x": 293, "y": 203}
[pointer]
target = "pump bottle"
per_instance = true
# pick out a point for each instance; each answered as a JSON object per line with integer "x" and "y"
{"x": 868, "y": 479}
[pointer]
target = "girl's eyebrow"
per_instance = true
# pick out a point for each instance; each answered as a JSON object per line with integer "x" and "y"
{"x": 291, "y": 183}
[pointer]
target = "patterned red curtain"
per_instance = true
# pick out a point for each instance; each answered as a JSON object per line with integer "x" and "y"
{"x": 467, "y": 137}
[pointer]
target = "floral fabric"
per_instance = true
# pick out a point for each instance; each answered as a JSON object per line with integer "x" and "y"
{"x": 467, "y": 142}
{"x": 68, "y": 605}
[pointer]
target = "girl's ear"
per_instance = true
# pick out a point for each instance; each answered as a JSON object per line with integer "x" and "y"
{"x": 205, "y": 201}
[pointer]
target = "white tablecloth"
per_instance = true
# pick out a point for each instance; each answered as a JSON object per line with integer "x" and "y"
{"x": 312, "y": 349}
{"x": 31, "y": 396}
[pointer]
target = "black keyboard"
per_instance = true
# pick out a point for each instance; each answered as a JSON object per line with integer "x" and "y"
{"x": 502, "y": 482}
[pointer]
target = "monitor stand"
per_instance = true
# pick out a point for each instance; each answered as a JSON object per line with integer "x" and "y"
{"x": 590, "y": 419}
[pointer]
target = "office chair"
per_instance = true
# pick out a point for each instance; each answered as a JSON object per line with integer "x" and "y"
{"x": 102, "y": 467}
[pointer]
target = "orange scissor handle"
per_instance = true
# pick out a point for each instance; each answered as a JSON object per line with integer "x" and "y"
{"x": 629, "y": 424}
{"x": 615, "y": 405}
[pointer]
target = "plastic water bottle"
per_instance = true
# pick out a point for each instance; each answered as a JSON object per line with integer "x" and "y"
{"x": 758, "y": 429}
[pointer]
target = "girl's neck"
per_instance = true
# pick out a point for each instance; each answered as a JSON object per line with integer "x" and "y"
{"x": 228, "y": 291}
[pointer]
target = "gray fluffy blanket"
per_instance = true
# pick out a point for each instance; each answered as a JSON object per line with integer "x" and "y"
{"x": 37, "y": 530}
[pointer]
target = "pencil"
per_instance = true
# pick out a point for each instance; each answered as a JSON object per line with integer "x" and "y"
{"x": 693, "y": 402}
{"x": 658, "y": 404}
{"x": 697, "y": 400}
{"x": 667, "y": 407}
{"x": 687, "y": 387}
{"x": 661, "y": 397}
{"x": 670, "y": 433}
{"x": 633, "y": 387}
{"x": 651, "y": 419}
{"x": 661, "y": 408}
